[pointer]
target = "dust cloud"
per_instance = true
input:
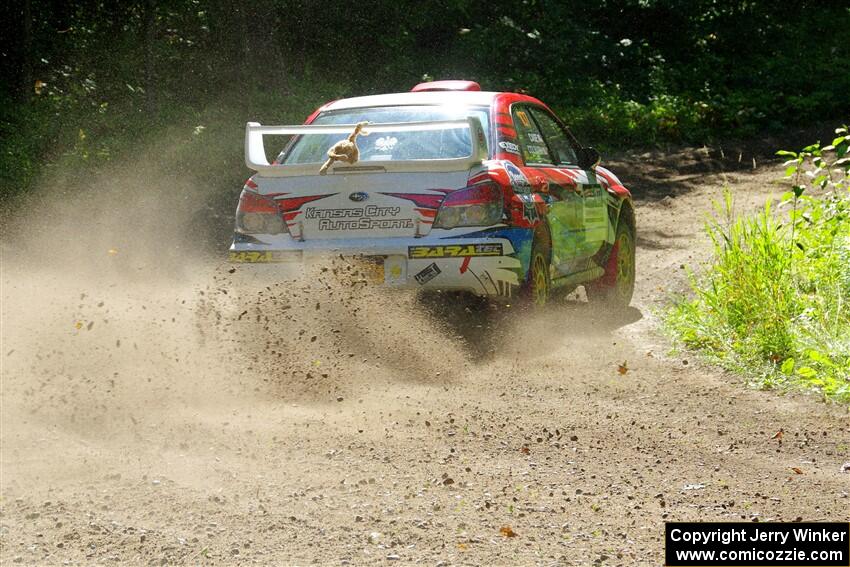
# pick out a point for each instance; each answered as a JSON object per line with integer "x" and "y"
{"x": 123, "y": 331}
{"x": 135, "y": 358}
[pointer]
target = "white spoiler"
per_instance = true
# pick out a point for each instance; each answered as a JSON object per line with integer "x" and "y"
{"x": 255, "y": 152}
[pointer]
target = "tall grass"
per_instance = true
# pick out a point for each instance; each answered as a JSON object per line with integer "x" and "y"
{"x": 774, "y": 301}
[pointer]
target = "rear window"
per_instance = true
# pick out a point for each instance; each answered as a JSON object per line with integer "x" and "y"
{"x": 391, "y": 146}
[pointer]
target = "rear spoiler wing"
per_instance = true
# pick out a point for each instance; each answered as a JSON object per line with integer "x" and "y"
{"x": 255, "y": 152}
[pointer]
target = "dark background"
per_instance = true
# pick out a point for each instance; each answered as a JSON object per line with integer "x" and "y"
{"x": 89, "y": 83}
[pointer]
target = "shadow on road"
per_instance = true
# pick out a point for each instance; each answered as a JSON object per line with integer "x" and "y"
{"x": 488, "y": 328}
{"x": 658, "y": 173}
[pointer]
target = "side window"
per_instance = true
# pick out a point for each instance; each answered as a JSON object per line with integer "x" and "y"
{"x": 531, "y": 141}
{"x": 559, "y": 144}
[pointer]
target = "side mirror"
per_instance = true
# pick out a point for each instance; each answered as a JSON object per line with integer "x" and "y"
{"x": 588, "y": 158}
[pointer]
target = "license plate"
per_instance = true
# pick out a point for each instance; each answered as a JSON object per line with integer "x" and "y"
{"x": 254, "y": 257}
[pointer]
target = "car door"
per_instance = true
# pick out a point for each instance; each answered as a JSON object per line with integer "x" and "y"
{"x": 591, "y": 202}
{"x": 558, "y": 190}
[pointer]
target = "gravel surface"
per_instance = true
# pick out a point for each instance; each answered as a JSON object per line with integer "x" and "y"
{"x": 159, "y": 408}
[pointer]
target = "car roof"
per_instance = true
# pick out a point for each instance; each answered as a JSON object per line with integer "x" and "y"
{"x": 465, "y": 98}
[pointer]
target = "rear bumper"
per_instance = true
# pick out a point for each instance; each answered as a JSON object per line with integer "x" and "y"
{"x": 484, "y": 266}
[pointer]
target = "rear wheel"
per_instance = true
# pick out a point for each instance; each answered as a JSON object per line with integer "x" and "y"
{"x": 538, "y": 284}
{"x": 616, "y": 287}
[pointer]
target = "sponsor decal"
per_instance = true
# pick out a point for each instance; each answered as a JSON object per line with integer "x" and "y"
{"x": 368, "y": 211}
{"x": 529, "y": 208}
{"x": 428, "y": 274}
{"x": 365, "y": 224}
{"x": 509, "y": 147}
{"x": 370, "y": 217}
{"x": 386, "y": 144}
{"x": 518, "y": 179}
{"x": 257, "y": 256}
{"x": 455, "y": 250}
{"x": 482, "y": 142}
{"x": 359, "y": 196}
{"x": 537, "y": 150}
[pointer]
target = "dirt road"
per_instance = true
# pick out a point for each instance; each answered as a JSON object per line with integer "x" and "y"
{"x": 158, "y": 409}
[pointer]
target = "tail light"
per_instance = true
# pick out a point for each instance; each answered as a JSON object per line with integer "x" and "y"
{"x": 476, "y": 205}
{"x": 258, "y": 214}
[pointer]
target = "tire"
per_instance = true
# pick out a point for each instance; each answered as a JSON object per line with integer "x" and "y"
{"x": 614, "y": 290}
{"x": 538, "y": 284}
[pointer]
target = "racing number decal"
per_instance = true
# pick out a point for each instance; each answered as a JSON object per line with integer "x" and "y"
{"x": 523, "y": 117}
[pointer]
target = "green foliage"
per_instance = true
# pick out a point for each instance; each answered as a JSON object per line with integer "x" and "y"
{"x": 775, "y": 299}
{"x": 202, "y": 142}
{"x": 617, "y": 123}
{"x": 85, "y": 81}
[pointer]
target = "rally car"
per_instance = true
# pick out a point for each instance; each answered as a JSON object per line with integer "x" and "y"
{"x": 445, "y": 187}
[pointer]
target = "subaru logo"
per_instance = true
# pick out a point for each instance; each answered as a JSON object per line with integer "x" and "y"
{"x": 359, "y": 196}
